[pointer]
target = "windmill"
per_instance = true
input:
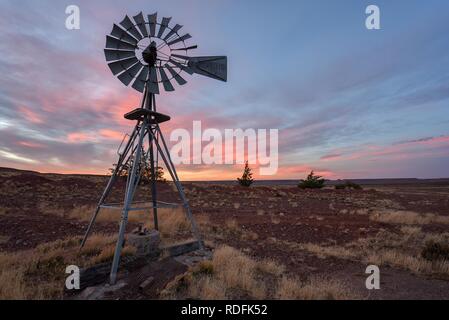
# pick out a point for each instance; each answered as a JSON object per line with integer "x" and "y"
{"x": 150, "y": 55}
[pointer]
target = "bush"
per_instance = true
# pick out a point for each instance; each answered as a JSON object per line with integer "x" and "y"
{"x": 433, "y": 251}
{"x": 348, "y": 185}
{"x": 247, "y": 177}
{"x": 312, "y": 182}
{"x": 145, "y": 173}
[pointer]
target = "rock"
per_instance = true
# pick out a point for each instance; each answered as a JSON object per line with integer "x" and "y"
{"x": 145, "y": 242}
{"x": 146, "y": 283}
{"x": 281, "y": 194}
{"x": 182, "y": 248}
{"x": 98, "y": 292}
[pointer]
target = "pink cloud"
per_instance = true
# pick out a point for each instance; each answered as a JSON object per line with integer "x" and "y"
{"x": 30, "y": 144}
{"x": 330, "y": 156}
{"x": 30, "y": 115}
{"x": 77, "y": 137}
{"x": 111, "y": 134}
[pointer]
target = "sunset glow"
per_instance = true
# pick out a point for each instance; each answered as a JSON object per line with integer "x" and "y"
{"x": 347, "y": 103}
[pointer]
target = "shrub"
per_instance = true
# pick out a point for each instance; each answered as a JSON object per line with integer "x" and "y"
{"x": 247, "y": 177}
{"x": 204, "y": 268}
{"x": 145, "y": 172}
{"x": 312, "y": 182}
{"x": 348, "y": 185}
{"x": 147, "y": 176}
{"x": 433, "y": 251}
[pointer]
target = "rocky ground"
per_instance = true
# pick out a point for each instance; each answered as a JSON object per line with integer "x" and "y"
{"x": 325, "y": 233}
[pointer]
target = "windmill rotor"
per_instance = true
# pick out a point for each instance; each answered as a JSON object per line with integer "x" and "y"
{"x": 147, "y": 51}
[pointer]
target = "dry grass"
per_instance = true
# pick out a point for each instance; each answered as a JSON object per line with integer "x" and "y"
{"x": 313, "y": 289}
{"x": 40, "y": 273}
{"x": 271, "y": 267}
{"x": 232, "y": 225}
{"x": 4, "y": 239}
{"x": 171, "y": 221}
{"x": 48, "y": 208}
{"x": 396, "y": 250}
{"x": 233, "y": 275}
{"x": 331, "y": 251}
{"x": 275, "y": 219}
{"x": 408, "y": 217}
{"x": 412, "y": 263}
{"x": 85, "y": 213}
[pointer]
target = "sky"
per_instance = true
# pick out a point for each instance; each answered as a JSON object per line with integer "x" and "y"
{"x": 348, "y": 102}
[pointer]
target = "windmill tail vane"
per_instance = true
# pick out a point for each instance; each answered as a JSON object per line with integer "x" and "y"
{"x": 145, "y": 52}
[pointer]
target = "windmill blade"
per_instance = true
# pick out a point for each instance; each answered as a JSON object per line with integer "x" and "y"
{"x": 121, "y": 65}
{"x": 180, "y": 80}
{"x": 164, "y": 25}
{"x": 212, "y": 67}
{"x": 180, "y": 56}
{"x": 173, "y": 31}
{"x": 182, "y": 67}
{"x": 153, "y": 84}
{"x": 113, "y": 43}
{"x": 139, "y": 83}
{"x": 127, "y": 76}
{"x": 188, "y": 48}
{"x": 129, "y": 26}
{"x": 184, "y": 37}
{"x": 165, "y": 81}
{"x": 152, "y": 19}
{"x": 114, "y": 54}
{"x": 140, "y": 21}
{"x": 121, "y": 34}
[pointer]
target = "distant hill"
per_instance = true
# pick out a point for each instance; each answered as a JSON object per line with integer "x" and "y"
{"x": 334, "y": 182}
{"x": 277, "y": 182}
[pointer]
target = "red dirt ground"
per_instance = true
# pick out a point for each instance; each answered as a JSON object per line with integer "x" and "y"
{"x": 33, "y": 208}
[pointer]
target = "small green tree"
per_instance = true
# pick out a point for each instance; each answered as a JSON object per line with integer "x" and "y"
{"x": 247, "y": 177}
{"x": 122, "y": 173}
{"x": 311, "y": 182}
{"x": 146, "y": 174}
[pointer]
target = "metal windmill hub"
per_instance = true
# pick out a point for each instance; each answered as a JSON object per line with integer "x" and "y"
{"x": 149, "y": 55}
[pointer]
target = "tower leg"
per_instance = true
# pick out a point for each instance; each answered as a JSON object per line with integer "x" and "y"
{"x": 130, "y": 188}
{"x": 172, "y": 171}
{"x": 153, "y": 182}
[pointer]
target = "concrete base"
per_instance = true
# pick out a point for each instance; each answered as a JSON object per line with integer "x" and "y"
{"x": 182, "y": 248}
{"x": 145, "y": 242}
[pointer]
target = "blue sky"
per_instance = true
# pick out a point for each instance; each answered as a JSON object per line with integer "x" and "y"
{"x": 348, "y": 102}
